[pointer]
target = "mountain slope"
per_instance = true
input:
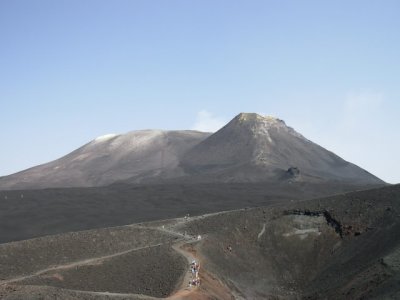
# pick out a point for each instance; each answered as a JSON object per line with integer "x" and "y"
{"x": 340, "y": 247}
{"x": 110, "y": 158}
{"x": 252, "y": 146}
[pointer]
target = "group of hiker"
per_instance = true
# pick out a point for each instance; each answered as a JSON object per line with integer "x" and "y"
{"x": 194, "y": 269}
{"x": 194, "y": 266}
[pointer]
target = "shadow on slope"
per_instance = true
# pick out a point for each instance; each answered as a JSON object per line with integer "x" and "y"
{"x": 32, "y": 213}
{"x": 345, "y": 246}
{"x": 340, "y": 247}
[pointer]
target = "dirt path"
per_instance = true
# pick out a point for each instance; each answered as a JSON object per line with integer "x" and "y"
{"x": 185, "y": 245}
{"x": 184, "y": 289}
{"x": 211, "y": 287}
{"x": 76, "y": 264}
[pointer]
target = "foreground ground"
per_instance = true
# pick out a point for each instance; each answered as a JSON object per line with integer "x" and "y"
{"x": 341, "y": 247}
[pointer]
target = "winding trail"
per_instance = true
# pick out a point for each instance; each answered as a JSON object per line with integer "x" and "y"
{"x": 76, "y": 264}
{"x": 211, "y": 287}
{"x": 183, "y": 290}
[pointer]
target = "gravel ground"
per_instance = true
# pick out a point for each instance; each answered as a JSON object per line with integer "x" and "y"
{"x": 341, "y": 247}
{"x": 346, "y": 246}
{"x": 153, "y": 271}
{"x": 26, "y": 257}
{"x": 34, "y": 213}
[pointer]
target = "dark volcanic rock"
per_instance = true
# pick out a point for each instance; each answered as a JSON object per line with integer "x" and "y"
{"x": 293, "y": 172}
{"x": 152, "y": 271}
{"x": 340, "y": 247}
{"x": 53, "y": 211}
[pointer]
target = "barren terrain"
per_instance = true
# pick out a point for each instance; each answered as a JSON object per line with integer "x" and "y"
{"x": 340, "y": 247}
{"x": 33, "y": 213}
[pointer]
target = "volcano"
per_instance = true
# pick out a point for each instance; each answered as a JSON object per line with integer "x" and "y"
{"x": 250, "y": 148}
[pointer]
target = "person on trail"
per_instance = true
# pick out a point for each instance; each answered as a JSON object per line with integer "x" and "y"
{"x": 197, "y": 281}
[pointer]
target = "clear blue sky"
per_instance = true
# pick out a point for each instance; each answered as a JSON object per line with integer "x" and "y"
{"x": 74, "y": 70}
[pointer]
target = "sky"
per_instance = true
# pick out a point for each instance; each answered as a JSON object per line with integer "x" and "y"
{"x": 71, "y": 71}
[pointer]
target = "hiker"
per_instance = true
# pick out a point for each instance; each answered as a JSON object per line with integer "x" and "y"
{"x": 197, "y": 281}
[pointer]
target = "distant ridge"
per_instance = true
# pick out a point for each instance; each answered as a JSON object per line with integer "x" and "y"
{"x": 110, "y": 158}
{"x": 250, "y": 148}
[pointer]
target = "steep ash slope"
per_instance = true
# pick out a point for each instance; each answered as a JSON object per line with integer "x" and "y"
{"x": 341, "y": 247}
{"x": 137, "y": 155}
{"x": 256, "y": 148}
